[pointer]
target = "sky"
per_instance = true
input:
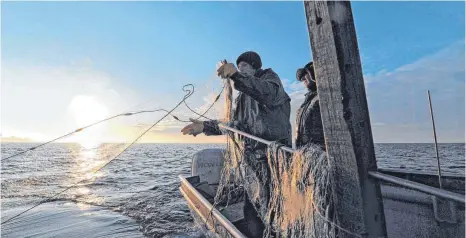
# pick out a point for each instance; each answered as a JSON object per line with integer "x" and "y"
{"x": 68, "y": 64}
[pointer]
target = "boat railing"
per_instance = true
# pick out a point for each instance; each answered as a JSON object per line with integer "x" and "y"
{"x": 374, "y": 174}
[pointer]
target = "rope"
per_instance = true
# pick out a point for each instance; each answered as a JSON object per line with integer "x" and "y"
{"x": 333, "y": 223}
{"x": 81, "y": 129}
{"x": 188, "y": 94}
{"x": 200, "y": 115}
{"x": 211, "y": 105}
{"x": 95, "y": 123}
{"x": 192, "y": 110}
{"x": 124, "y": 114}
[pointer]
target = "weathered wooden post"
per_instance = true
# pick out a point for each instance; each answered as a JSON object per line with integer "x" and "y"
{"x": 345, "y": 116}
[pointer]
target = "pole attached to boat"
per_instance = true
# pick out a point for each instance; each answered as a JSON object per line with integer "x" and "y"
{"x": 418, "y": 186}
{"x": 287, "y": 149}
{"x": 435, "y": 140}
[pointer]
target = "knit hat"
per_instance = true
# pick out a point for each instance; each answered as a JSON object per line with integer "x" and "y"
{"x": 251, "y": 58}
{"x": 309, "y": 67}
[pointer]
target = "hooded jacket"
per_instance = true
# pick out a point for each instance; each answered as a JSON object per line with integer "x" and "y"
{"x": 262, "y": 108}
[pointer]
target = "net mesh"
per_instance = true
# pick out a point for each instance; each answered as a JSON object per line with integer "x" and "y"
{"x": 301, "y": 194}
{"x": 230, "y": 185}
{"x": 299, "y": 201}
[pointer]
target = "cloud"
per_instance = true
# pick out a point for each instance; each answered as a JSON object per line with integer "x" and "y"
{"x": 39, "y": 102}
{"x": 36, "y": 99}
{"x": 398, "y": 99}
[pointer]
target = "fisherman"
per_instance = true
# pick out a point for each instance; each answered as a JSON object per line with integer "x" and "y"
{"x": 262, "y": 108}
{"x": 309, "y": 126}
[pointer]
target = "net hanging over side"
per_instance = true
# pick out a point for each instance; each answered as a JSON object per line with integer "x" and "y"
{"x": 300, "y": 202}
{"x": 230, "y": 185}
{"x": 301, "y": 194}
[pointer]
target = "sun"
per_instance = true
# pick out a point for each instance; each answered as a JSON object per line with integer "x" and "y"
{"x": 86, "y": 110}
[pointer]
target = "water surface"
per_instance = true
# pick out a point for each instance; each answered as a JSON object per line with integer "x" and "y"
{"x": 137, "y": 194}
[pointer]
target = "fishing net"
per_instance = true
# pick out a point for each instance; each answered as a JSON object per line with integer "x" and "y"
{"x": 230, "y": 185}
{"x": 301, "y": 194}
{"x": 292, "y": 194}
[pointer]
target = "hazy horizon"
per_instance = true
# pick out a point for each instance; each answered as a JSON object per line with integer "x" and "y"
{"x": 196, "y": 142}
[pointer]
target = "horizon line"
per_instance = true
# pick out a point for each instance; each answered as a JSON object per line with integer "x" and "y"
{"x": 39, "y": 142}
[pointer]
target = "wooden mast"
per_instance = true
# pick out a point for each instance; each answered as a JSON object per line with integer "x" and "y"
{"x": 345, "y": 117}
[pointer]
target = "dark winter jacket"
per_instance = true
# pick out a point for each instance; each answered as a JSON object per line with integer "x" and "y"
{"x": 309, "y": 126}
{"x": 262, "y": 108}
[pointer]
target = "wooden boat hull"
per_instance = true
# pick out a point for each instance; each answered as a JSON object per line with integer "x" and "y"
{"x": 408, "y": 213}
{"x": 205, "y": 215}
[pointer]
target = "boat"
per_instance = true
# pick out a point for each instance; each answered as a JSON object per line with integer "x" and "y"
{"x": 409, "y": 212}
{"x": 415, "y": 204}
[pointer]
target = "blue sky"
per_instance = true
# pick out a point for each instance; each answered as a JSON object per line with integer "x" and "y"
{"x": 153, "y": 48}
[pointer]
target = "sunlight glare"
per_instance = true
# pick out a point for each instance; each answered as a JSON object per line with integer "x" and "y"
{"x": 87, "y": 110}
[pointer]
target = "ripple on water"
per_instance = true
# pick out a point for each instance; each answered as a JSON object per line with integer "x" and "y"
{"x": 143, "y": 183}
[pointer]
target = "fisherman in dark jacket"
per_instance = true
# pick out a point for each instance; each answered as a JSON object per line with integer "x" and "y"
{"x": 262, "y": 108}
{"x": 308, "y": 119}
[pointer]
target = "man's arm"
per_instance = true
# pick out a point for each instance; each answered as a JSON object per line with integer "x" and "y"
{"x": 265, "y": 90}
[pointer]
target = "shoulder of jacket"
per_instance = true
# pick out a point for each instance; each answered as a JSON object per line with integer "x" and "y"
{"x": 267, "y": 72}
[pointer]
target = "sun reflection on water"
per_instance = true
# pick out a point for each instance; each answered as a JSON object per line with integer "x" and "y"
{"x": 87, "y": 161}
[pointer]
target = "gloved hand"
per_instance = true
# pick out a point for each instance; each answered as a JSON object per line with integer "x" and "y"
{"x": 226, "y": 70}
{"x": 195, "y": 128}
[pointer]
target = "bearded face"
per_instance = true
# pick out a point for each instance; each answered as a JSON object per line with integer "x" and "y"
{"x": 246, "y": 69}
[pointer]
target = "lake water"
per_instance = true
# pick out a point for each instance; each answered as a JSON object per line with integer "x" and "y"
{"x": 137, "y": 194}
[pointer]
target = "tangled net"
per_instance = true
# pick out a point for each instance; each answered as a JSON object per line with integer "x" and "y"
{"x": 301, "y": 194}
{"x": 294, "y": 193}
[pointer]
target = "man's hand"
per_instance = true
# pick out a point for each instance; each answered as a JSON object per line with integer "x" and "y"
{"x": 195, "y": 128}
{"x": 226, "y": 70}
